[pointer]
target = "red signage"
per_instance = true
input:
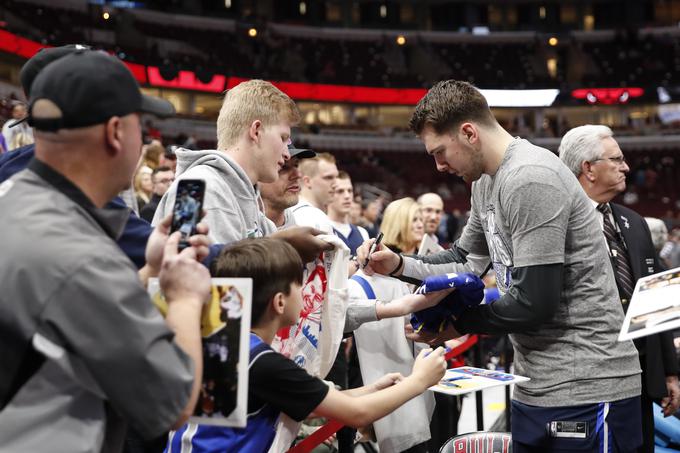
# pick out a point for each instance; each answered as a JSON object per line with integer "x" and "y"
{"x": 607, "y": 95}
{"x": 188, "y": 80}
{"x": 139, "y": 71}
{"x": 344, "y": 93}
{"x": 11, "y": 43}
{"x": 185, "y": 80}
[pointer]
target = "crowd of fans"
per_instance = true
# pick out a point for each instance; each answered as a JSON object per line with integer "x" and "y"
{"x": 81, "y": 193}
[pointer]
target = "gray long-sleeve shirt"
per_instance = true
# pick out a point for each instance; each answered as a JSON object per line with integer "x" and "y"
{"x": 534, "y": 214}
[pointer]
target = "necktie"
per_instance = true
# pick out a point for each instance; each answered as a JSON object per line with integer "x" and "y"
{"x": 622, "y": 270}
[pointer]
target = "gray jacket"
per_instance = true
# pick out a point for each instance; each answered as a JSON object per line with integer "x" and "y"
{"x": 80, "y": 335}
{"x": 233, "y": 203}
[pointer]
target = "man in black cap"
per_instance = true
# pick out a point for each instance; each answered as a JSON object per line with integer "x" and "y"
{"x": 136, "y": 232}
{"x": 10, "y": 163}
{"x": 284, "y": 193}
{"x": 83, "y": 348}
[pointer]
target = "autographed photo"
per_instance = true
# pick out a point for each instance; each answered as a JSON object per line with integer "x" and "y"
{"x": 654, "y": 307}
{"x": 225, "y": 327}
{"x": 467, "y": 379}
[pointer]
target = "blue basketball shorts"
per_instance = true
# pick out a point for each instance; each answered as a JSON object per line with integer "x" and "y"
{"x": 607, "y": 427}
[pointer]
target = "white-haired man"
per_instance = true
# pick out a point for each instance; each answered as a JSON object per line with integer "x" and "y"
{"x": 594, "y": 156}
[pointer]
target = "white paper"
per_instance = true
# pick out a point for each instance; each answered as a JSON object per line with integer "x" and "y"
{"x": 428, "y": 246}
{"x": 458, "y": 381}
{"x": 654, "y": 307}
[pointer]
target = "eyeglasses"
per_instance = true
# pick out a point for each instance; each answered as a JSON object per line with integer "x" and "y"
{"x": 618, "y": 160}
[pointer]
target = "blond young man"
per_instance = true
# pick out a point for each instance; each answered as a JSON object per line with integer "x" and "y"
{"x": 253, "y": 133}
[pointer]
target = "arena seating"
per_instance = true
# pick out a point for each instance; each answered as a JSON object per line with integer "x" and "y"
{"x": 281, "y": 52}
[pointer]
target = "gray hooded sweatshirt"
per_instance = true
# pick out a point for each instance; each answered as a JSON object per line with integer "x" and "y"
{"x": 233, "y": 204}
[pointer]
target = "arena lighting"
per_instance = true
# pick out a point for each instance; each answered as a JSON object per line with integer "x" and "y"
{"x": 401, "y": 40}
{"x": 252, "y": 32}
{"x": 553, "y": 41}
{"x": 607, "y": 96}
{"x": 520, "y": 98}
{"x": 117, "y": 3}
{"x": 106, "y": 16}
{"x": 664, "y": 95}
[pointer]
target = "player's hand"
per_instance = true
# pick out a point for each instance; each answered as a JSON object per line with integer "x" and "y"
{"x": 305, "y": 241}
{"x": 382, "y": 260}
{"x": 429, "y": 366}
{"x": 182, "y": 277}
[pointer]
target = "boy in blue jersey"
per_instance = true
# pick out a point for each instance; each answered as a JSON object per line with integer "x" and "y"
{"x": 277, "y": 384}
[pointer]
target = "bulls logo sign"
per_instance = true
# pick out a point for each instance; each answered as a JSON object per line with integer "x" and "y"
{"x": 479, "y": 443}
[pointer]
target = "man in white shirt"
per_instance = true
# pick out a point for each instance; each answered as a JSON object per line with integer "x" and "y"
{"x": 338, "y": 213}
{"x": 318, "y": 188}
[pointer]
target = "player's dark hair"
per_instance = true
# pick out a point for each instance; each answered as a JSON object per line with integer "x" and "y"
{"x": 447, "y": 105}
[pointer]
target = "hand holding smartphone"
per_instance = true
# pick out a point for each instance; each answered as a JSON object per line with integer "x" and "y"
{"x": 187, "y": 210}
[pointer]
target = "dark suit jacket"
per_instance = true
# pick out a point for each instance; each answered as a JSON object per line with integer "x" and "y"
{"x": 660, "y": 358}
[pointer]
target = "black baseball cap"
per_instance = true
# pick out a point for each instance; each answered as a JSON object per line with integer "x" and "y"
{"x": 300, "y": 153}
{"x": 37, "y": 62}
{"x": 86, "y": 88}
{"x": 45, "y": 56}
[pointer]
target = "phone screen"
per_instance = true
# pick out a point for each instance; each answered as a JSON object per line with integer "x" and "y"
{"x": 187, "y": 210}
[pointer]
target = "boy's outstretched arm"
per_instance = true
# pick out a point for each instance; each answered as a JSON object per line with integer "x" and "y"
{"x": 387, "y": 380}
{"x": 359, "y": 407}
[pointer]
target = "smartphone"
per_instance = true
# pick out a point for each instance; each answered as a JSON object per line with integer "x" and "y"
{"x": 373, "y": 247}
{"x": 187, "y": 210}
